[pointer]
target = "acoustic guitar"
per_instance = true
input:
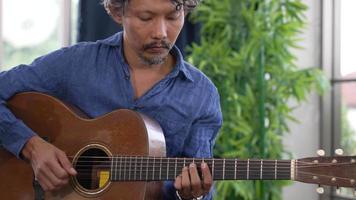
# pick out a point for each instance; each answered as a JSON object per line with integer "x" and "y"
{"x": 121, "y": 155}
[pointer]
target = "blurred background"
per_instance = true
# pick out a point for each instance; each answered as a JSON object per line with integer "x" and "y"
{"x": 297, "y": 53}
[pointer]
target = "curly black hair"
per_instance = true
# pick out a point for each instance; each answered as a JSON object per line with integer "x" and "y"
{"x": 119, "y": 5}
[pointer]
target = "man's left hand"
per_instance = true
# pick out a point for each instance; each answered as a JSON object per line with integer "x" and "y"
{"x": 189, "y": 185}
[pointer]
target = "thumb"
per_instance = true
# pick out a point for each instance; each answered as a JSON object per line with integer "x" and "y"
{"x": 66, "y": 164}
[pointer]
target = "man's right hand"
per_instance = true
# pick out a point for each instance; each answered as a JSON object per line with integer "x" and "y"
{"x": 51, "y": 166}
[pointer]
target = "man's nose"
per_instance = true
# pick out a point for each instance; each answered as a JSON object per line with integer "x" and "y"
{"x": 159, "y": 29}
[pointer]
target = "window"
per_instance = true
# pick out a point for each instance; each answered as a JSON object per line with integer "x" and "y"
{"x": 339, "y": 63}
{"x": 29, "y": 29}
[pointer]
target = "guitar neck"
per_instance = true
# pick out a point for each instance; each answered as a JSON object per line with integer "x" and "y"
{"x": 126, "y": 168}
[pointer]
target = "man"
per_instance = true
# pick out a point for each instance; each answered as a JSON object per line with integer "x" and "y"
{"x": 137, "y": 69}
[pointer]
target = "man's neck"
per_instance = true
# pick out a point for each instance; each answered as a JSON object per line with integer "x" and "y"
{"x": 143, "y": 76}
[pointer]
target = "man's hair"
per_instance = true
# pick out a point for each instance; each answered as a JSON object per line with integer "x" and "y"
{"x": 119, "y": 5}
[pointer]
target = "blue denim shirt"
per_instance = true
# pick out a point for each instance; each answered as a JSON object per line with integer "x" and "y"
{"x": 94, "y": 77}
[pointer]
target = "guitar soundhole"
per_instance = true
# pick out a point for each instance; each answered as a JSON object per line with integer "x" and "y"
{"x": 93, "y": 167}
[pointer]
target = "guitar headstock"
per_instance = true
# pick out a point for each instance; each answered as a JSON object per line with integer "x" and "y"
{"x": 338, "y": 171}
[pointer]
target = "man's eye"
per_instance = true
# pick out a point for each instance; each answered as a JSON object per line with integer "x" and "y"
{"x": 145, "y": 18}
{"x": 173, "y": 16}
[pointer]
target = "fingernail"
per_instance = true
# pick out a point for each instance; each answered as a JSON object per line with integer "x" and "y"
{"x": 192, "y": 165}
{"x": 203, "y": 165}
{"x": 73, "y": 171}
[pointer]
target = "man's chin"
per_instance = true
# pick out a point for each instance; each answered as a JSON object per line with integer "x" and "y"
{"x": 155, "y": 60}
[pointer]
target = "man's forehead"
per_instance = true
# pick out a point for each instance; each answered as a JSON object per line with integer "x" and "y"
{"x": 141, "y": 4}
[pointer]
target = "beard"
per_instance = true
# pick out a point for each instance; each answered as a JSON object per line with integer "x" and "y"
{"x": 155, "y": 59}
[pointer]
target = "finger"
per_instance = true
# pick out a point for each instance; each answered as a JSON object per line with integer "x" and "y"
{"x": 178, "y": 183}
{"x": 206, "y": 175}
{"x": 186, "y": 182}
{"x": 44, "y": 180}
{"x": 58, "y": 170}
{"x": 195, "y": 181}
{"x": 66, "y": 164}
{"x": 45, "y": 184}
{"x": 52, "y": 178}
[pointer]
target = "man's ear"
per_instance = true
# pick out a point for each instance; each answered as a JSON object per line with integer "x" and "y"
{"x": 116, "y": 15}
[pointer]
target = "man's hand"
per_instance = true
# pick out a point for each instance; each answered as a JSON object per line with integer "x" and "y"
{"x": 50, "y": 165}
{"x": 188, "y": 183}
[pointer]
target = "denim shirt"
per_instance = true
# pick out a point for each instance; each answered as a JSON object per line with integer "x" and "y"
{"x": 94, "y": 77}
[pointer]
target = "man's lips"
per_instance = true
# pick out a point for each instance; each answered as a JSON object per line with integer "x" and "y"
{"x": 156, "y": 49}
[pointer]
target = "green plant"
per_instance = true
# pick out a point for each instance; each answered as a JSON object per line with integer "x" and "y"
{"x": 245, "y": 49}
{"x": 348, "y": 142}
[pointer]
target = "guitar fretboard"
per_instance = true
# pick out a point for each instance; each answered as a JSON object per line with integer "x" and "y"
{"x": 137, "y": 168}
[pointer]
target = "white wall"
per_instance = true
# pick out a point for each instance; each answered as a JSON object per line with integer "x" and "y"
{"x": 304, "y": 138}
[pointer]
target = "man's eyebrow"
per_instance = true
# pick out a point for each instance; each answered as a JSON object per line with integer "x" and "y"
{"x": 173, "y": 11}
{"x": 145, "y": 11}
{"x": 152, "y": 13}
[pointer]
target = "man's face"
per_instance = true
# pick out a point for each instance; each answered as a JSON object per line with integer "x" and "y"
{"x": 151, "y": 27}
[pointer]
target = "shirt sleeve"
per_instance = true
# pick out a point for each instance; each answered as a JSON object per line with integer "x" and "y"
{"x": 44, "y": 75}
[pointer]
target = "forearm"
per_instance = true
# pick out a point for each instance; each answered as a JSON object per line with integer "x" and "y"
{"x": 13, "y": 133}
{"x": 40, "y": 76}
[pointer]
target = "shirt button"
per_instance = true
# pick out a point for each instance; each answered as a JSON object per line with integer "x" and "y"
{"x": 138, "y": 107}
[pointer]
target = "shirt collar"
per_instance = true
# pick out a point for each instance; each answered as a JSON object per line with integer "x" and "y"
{"x": 116, "y": 41}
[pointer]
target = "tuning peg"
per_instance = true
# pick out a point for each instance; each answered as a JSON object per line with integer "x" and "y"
{"x": 339, "y": 152}
{"x": 320, "y": 152}
{"x": 320, "y": 190}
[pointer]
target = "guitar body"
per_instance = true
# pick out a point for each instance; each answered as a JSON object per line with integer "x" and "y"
{"x": 122, "y": 132}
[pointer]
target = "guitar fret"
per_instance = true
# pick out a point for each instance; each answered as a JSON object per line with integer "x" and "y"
{"x": 141, "y": 168}
{"x": 223, "y": 176}
{"x": 147, "y": 169}
{"x": 175, "y": 168}
{"x": 213, "y": 169}
{"x": 248, "y": 169}
{"x": 275, "y": 169}
{"x": 130, "y": 167}
{"x": 261, "y": 170}
{"x": 120, "y": 168}
{"x": 135, "y": 168}
{"x": 160, "y": 169}
{"x": 125, "y": 168}
{"x": 153, "y": 169}
{"x": 235, "y": 169}
{"x": 167, "y": 168}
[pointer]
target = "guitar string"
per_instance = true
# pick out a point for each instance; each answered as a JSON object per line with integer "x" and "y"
{"x": 126, "y": 178}
{"x": 285, "y": 164}
{"x": 151, "y": 169}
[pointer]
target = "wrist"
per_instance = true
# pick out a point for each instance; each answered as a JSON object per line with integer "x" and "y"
{"x": 194, "y": 198}
{"x": 29, "y": 147}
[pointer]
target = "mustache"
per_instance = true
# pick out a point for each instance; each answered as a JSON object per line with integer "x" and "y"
{"x": 162, "y": 44}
